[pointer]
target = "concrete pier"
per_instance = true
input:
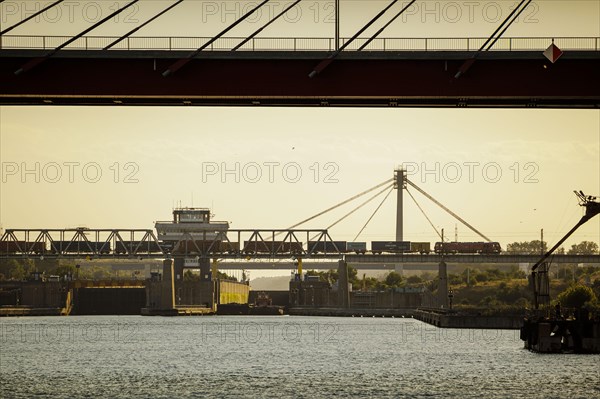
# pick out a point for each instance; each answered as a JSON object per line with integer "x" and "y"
{"x": 343, "y": 291}
{"x": 443, "y": 285}
{"x": 443, "y": 319}
{"x": 167, "y": 300}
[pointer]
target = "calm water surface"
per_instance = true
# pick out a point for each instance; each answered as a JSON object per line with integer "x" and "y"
{"x": 117, "y": 356}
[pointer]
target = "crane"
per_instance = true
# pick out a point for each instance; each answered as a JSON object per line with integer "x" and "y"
{"x": 539, "y": 271}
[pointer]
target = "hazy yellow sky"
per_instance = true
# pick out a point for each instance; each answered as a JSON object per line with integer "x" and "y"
{"x": 179, "y": 153}
{"x": 309, "y": 18}
{"x": 542, "y": 154}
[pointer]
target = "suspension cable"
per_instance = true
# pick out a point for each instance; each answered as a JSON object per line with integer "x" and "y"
{"x": 508, "y": 25}
{"x": 323, "y": 64}
{"x": 374, "y": 212}
{"x": 182, "y": 62}
{"x": 36, "y": 61}
{"x": 448, "y": 210}
{"x": 36, "y": 14}
{"x": 424, "y": 214}
{"x": 357, "y": 208}
{"x": 285, "y": 10}
{"x": 500, "y": 27}
{"x": 365, "y": 44}
{"x": 131, "y": 32}
{"x": 341, "y": 203}
{"x": 468, "y": 63}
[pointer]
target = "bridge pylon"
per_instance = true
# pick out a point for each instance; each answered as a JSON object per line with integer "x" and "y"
{"x": 400, "y": 185}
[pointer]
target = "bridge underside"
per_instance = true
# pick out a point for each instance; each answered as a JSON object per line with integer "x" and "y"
{"x": 412, "y": 79}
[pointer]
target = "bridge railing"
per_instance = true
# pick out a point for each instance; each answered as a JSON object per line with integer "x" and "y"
{"x": 299, "y": 43}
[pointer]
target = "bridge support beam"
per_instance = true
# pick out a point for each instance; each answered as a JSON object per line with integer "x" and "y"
{"x": 399, "y": 268}
{"x": 443, "y": 285}
{"x": 343, "y": 289}
{"x": 206, "y": 270}
{"x": 167, "y": 299}
{"x": 387, "y": 79}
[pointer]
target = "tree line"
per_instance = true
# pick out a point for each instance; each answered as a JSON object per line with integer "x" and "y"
{"x": 536, "y": 247}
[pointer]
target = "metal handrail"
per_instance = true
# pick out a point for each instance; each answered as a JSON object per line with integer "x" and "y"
{"x": 172, "y": 43}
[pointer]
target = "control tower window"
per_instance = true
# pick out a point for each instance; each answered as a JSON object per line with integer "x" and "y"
{"x": 193, "y": 217}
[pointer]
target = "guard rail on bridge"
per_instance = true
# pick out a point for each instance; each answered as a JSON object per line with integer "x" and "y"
{"x": 299, "y": 43}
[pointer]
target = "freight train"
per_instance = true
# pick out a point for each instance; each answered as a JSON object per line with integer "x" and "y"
{"x": 249, "y": 247}
{"x": 379, "y": 247}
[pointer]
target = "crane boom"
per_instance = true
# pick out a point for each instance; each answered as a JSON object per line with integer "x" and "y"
{"x": 539, "y": 279}
{"x": 592, "y": 208}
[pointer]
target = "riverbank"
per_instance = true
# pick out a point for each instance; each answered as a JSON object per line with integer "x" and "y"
{"x": 14, "y": 311}
{"x": 444, "y": 319}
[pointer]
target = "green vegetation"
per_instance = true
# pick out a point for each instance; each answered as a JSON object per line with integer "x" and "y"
{"x": 577, "y": 296}
{"x": 504, "y": 287}
{"x": 527, "y": 247}
{"x": 584, "y": 248}
{"x": 535, "y": 247}
{"x": 21, "y": 269}
{"x": 225, "y": 276}
{"x": 189, "y": 275}
{"x": 482, "y": 288}
{"x": 390, "y": 280}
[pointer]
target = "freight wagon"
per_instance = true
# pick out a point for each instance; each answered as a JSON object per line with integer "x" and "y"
{"x": 467, "y": 247}
{"x": 230, "y": 247}
{"x": 378, "y": 247}
{"x": 271, "y": 247}
{"x": 420, "y": 247}
{"x": 356, "y": 247}
{"x": 80, "y": 247}
{"x": 195, "y": 246}
{"x": 327, "y": 246}
{"x": 137, "y": 246}
{"x": 13, "y": 247}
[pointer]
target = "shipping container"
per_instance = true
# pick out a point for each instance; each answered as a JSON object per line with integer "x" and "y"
{"x": 80, "y": 247}
{"x": 230, "y": 247}
{"x": 357, "y": 247}
{"x": 420, "y": 247}
{"x": 390, "y": 246}
{"x": 327, "y": 246}
{"x": 272, "y": 247}
{"x": 137, "y": 246}
{"x": 196, "y": 246}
